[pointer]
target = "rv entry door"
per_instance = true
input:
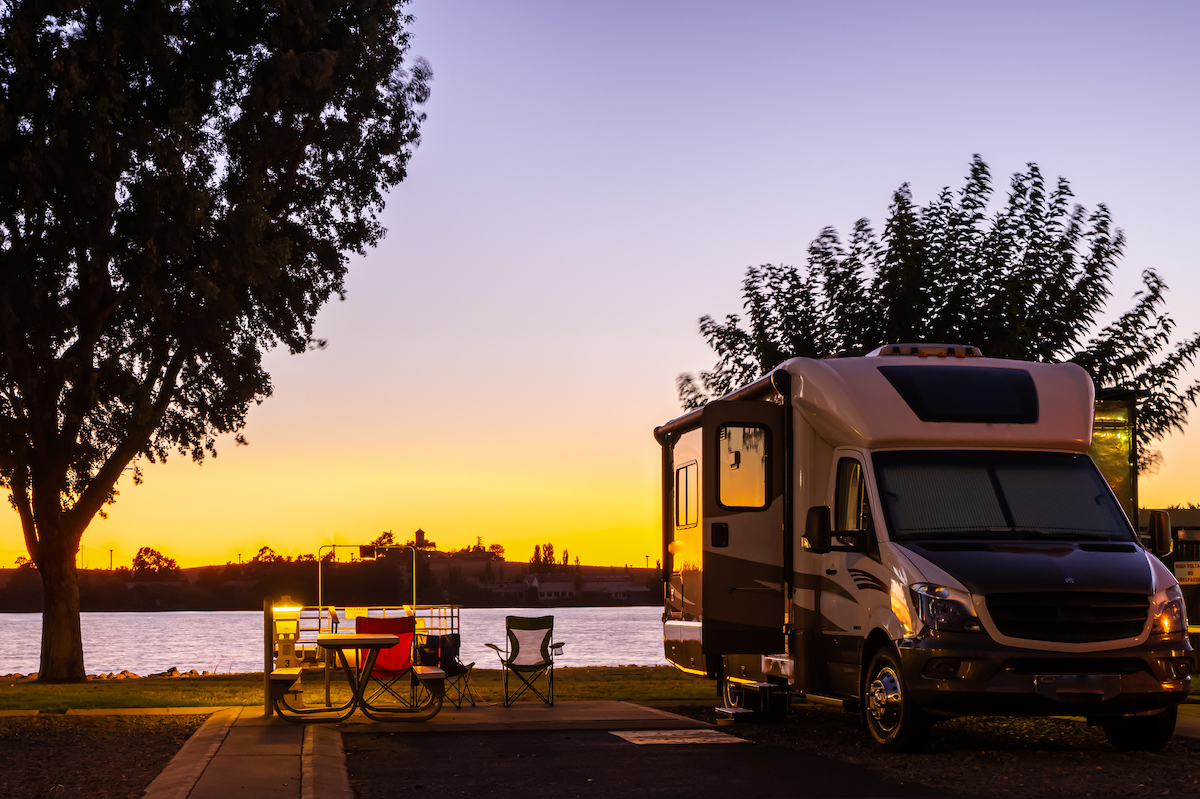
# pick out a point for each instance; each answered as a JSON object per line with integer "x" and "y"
{"x": 743, "y": 489}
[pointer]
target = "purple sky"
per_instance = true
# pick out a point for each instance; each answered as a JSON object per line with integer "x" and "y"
{"x": 593, "y": 178}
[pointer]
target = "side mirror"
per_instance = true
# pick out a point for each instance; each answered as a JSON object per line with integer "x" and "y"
{"x": 817, "y": 528}
{"x": 1160, "y": 533}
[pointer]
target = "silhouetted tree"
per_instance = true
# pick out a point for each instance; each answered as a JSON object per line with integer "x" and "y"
{"x": 149, "y": 563}
{"x": 1028, "y": 282}
{"x": 265, "y": 555}
{"x": 385, "y": 539}
{"x": 183, "y": 186}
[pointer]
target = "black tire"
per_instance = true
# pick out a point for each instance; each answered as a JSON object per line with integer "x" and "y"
{"x": 1140, "y": 733}
{"x": 896, "y": 724}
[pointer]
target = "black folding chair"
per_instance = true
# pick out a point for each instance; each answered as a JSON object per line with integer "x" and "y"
{"x": 529, "y": 656}
{"x": 458, "y": 674}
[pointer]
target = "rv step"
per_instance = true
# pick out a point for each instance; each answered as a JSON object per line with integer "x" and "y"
{"x": 764, "y": 701}
{"x": 733, "y": 712}
{"x": 849, "y": 705}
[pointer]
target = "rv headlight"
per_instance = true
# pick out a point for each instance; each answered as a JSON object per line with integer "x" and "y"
{"x": 1170, "y": 617}
{"x": 948, "y": 609}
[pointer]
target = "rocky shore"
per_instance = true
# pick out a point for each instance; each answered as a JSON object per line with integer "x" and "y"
{"x": 123, "y": 675}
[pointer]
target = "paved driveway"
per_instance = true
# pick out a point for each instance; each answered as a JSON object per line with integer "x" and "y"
{"x": 595, "y": 765}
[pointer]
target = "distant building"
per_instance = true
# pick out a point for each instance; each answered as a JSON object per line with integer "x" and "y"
{"x": 577, "y": 588}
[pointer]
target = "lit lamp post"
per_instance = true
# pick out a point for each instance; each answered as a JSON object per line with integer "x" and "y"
{"x": 281, "y": 628}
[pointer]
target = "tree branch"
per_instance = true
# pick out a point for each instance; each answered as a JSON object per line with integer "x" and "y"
{"x": 101, "y": 485}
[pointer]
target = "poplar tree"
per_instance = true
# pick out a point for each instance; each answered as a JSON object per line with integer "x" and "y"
{"x": 1030, "y": 281}
{"x": 183, "y": 185}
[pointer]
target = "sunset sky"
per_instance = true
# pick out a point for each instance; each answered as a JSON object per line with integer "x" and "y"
{"x": 593, "y": 178}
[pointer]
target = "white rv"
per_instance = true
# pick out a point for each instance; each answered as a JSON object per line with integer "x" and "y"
{"x": 916, "y": 534}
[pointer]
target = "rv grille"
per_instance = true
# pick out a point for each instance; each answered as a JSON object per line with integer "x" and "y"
{"x": 1069, "y": 617}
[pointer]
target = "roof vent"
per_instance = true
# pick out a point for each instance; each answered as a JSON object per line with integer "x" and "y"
{"x": 929, "y": 350}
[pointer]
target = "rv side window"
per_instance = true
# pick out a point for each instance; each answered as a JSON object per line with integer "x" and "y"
{"x": 852, "y": 509}
{"x": 687, "y": 495}
{"x": 742, "y": 452}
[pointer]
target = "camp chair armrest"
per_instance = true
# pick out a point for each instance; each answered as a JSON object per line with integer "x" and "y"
{"x": 497, "y": 649}
{"x": 429, "y": 673}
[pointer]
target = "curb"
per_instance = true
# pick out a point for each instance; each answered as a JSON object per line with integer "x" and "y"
{"x": 147, "y": 711}
{"x": 179, "y": 777}
{"x": 323, "y": 765}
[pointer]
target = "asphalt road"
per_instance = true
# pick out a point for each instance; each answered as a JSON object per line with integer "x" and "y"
{"x": 594, "y": 765}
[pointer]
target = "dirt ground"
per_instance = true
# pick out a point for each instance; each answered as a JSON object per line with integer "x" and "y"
{"x": 990, "y": 756}
{"x": 100, "y": 757}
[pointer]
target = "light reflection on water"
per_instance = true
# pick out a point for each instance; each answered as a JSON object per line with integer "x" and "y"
{"x": 232, "y": 641}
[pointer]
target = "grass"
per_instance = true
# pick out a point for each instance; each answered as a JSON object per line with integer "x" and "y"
{"x": 622, "y": 683}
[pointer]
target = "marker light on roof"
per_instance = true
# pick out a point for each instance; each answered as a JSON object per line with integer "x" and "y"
{"x": 931, "y": 350}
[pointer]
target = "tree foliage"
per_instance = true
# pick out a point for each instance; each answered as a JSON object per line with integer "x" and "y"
{"x": 183, "y": 185}
{"x": 149, "y": 563}
{"x": 1029, "y": 281}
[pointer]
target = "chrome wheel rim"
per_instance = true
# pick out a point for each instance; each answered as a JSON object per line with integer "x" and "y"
{"x": 883, "y": 699}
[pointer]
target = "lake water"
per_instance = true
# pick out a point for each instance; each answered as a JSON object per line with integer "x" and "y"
{"x": 232, "y": 641}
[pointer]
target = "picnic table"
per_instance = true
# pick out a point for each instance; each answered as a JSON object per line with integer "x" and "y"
{"x": 426, "y": 684}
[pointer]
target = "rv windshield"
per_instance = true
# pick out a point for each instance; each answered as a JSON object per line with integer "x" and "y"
{"x": 996, "y": 495}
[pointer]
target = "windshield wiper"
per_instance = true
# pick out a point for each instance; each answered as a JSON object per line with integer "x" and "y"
{"x": 1060, "y": 535}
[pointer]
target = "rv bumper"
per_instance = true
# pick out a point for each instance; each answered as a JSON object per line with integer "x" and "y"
{"x": 960, "y": 673}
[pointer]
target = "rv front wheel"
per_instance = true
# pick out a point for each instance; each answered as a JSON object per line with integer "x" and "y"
{"x": 895, "y": 723}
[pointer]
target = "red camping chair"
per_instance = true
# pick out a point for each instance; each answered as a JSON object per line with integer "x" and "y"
{"x": 393, "y": 663}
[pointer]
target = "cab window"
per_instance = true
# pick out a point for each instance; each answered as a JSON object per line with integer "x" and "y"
{"x": 852, "y": 508}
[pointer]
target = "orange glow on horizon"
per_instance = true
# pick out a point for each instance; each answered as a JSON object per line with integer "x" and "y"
{"x": 231, "y": 507}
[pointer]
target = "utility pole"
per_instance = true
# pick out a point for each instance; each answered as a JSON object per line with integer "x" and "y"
{"x": 110, "y": 560}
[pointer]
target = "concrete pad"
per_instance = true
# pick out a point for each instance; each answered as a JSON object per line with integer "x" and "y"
{"x": 255, "y": 715}
{"x": 589, "y": 715}
{"x": 262, "y": 740}
{"x": 19, "y": 712}
{"x": 675, "y": 737}
{"x": 181, "y": 774}
{"x": 251, "y": 777}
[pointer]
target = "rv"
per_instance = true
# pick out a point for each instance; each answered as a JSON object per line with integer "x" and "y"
{"x": 916, "y": 534}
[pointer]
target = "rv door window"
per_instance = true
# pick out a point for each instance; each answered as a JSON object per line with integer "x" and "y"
{"x": 742, "y": 474}
{"x": 687, "y": 495}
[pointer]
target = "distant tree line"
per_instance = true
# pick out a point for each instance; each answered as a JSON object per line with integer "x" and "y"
{"x": 154, "y": 580}
{"x": 543, "y": 558}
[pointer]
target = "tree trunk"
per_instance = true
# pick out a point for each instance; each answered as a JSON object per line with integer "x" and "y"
{"x": 62, "y": 642}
